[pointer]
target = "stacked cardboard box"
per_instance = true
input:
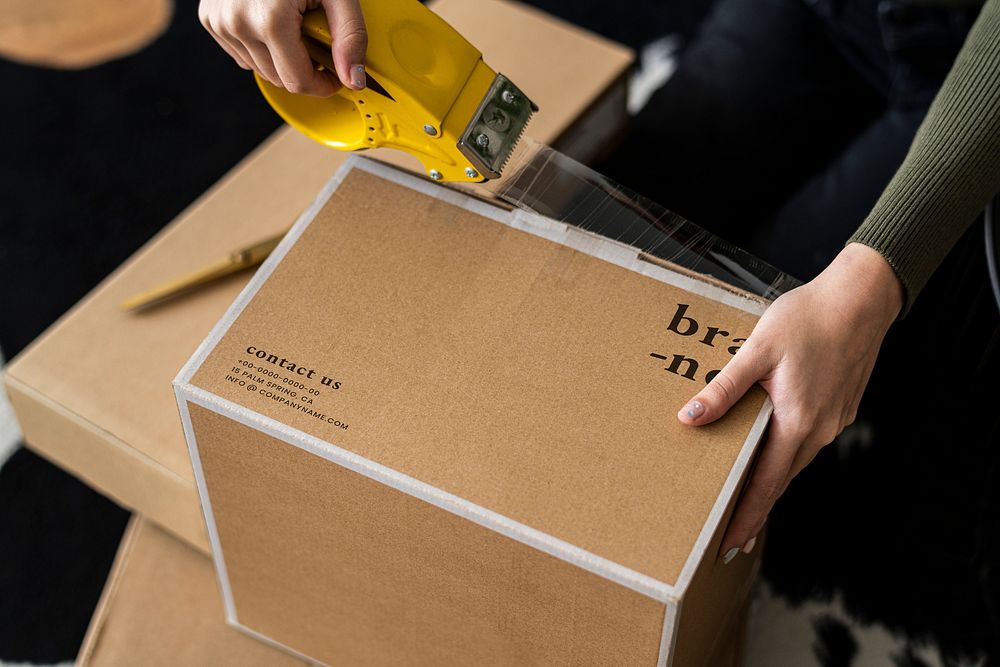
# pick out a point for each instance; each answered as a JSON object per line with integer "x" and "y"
{"x": 161, "y": 607}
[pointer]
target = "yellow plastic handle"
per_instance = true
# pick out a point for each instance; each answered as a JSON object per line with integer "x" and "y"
{"x": 418, "y": 68}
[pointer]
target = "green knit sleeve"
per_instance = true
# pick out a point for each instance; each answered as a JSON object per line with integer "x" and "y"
{"x": 952, "y": 169}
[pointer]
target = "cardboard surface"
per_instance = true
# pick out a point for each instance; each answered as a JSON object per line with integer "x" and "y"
{"x": 92, "y": 394}
{"x": 348, "y": 571}
{"x": 712, "y": 602}
{"x": 422, "y": 399}
{"x": 497, "y": 366}
{"x": 161, "y": 607}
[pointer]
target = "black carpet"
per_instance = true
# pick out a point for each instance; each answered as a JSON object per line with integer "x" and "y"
{"x": 59, "y": 538}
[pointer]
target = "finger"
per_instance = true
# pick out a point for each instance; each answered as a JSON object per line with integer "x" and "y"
{"x": 768, "y": 481}
{"x": 728, "y": 386}
{"x": 295, "y": 67}
{"x": 235, "y": 49}
{"x": 242, "y": 52}
{"x": 851, "y": 413}
{"x": 350, "y": 41}
{"x": 262, "y": 62}
{"x": 241, "y": 60}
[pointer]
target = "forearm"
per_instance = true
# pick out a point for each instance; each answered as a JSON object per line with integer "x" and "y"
{"x": 952, "y": 169}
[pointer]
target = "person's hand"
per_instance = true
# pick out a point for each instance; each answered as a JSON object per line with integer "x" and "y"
{"x": 265, "y": 36}
{"x": 812, "y": 351}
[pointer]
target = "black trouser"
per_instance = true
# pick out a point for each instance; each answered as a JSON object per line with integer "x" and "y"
{"x": 785, "y": 120}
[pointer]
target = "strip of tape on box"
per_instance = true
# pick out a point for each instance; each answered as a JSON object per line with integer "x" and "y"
{"x": 544, "y": 181}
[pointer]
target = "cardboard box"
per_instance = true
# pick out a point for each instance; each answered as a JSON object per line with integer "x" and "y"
{"x": 438, "y": 431}
{"x": 93, "y": 394}
{"x": 161, "y": 606}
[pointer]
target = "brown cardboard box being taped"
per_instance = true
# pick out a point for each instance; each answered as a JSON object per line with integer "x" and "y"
{"x": 161, "y": 607}
{"x": 436, "y": 431}
{"x": 92, "y": 394}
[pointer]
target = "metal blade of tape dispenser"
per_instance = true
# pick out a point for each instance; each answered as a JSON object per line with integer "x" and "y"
{"x": 496, "y": 127}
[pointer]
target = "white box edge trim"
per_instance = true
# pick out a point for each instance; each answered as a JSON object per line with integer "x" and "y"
{"x": 515, "y": 530}
{"x": 222, "y": 574}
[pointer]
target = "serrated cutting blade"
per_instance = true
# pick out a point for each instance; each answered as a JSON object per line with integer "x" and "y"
{"x": 496, "y": 127}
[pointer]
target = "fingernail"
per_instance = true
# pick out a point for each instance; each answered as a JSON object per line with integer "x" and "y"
{"x": 748, "y": 547}
{"x": 730, "y": 555}
{"x": 358, "y": 75}
{"x": 693, "y": 410}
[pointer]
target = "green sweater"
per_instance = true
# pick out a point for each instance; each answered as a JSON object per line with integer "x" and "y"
{"x": 952, "y": 169}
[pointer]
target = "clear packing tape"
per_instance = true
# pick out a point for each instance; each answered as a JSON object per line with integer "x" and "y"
{"x": 546, "y": 182}
{"x": 542, "y": 180}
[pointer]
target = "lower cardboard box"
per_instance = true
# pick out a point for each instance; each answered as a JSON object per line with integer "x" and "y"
{"x": 433, "y": 430}
{"x": 161, "y": 606}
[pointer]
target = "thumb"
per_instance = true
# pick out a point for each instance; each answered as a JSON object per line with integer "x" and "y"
{"x": 728, "y": 386}
{"x": 350, "y": 41}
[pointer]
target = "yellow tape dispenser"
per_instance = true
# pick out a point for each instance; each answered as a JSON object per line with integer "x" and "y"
{"x": 429, "y": 93}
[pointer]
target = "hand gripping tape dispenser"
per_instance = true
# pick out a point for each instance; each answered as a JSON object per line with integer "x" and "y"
{"x": 429, "y": 93}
